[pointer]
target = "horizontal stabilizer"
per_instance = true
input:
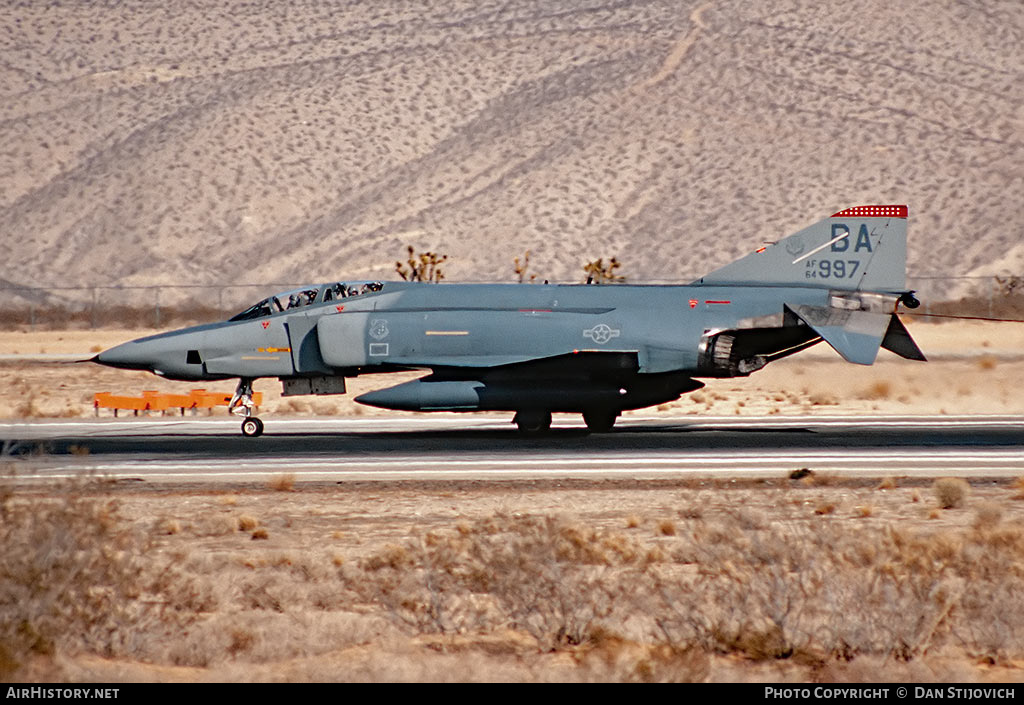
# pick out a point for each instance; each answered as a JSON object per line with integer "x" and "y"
{"x": 898, "y": 340}
{"x": 856, "y": 335}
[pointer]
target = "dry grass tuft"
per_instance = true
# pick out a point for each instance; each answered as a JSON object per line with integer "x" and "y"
{"x": 825, "y": 508}
{"x": 951, "y": 492}
{"x": 887, "y": 483}
{"x": 28, "y": 408}
{"x": 822, "y": 399}
{"x": 818, "y": 479}
{"x": 1018, "y": 487}
{"x": 987, "y": 362}
{"x": 282, "y": 483}
{"x": 882, "y": 389}
{"x": 247, "y": 522}
{"x": 666, "y": 527}
{"x": 260, "y": 534}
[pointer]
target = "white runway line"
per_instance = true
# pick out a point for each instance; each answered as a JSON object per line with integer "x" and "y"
{"x": 416, "y": 467}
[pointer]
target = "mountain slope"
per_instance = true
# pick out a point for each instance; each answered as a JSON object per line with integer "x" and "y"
{"x": 265, "y": 141}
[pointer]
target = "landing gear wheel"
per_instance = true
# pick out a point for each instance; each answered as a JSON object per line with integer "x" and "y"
{"x": 533, "y": 422}
{"x": 600, "y": 421}
{"x": 252, "y": 427}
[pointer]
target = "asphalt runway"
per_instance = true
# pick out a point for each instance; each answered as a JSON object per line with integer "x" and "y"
{"x": 212, "y": 450}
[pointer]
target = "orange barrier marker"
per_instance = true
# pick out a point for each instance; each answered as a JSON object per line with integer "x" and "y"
{"x": 158, "y": 401}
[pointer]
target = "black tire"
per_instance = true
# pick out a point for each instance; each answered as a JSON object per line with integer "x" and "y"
{"x": 252, "y": 427}
{"x": 533, "y": 422}
{"x": 600, "y": 421}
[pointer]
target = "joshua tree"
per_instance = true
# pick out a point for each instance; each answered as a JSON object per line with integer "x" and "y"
{"x": 600, "y": 273}
{"x": 422, "y": 267}
{"x": 521, "y": 268}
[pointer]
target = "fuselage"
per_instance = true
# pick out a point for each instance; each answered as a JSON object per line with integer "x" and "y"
{"x": 467, "y": 326}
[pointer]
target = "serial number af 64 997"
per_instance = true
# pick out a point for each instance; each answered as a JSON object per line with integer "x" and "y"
{"x": 831, "y": 268}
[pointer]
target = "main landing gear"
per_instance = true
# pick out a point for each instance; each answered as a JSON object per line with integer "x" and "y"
{"x": 600, "y": 421}
{"x": 536, "y": 422}
{"x": 533, "y": 422}
{"x": 242, "y": 405}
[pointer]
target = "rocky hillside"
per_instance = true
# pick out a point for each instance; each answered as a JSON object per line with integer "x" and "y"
{"x": 200, "y": 143}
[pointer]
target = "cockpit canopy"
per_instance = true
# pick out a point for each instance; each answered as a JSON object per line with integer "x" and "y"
{"x": 306, "y": 296}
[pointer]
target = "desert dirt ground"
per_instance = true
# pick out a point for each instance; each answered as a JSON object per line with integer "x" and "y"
{"x": 409, "y": 582}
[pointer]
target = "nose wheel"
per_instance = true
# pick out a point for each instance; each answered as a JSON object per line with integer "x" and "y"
{"x": 252, "y": 427}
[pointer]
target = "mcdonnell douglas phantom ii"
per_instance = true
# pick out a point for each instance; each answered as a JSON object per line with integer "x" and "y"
{"x": 536, "y": 349}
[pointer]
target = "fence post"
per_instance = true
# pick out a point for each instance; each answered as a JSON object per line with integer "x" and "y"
{"x": 92, "y": 317}
{"x": 156, "y": 301}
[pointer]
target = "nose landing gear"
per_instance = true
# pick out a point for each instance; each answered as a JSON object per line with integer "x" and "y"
{"x": 242, "y": 405}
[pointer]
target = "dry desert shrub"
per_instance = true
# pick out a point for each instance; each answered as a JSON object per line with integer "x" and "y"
{"x": 951, "y": 492}
{"x": 760, "y": 588}
{"x": 987, "y": 515}
{"x": 544, "y": 575}
{"x": 75, "y": 578}
{"x": 781, "y": 589}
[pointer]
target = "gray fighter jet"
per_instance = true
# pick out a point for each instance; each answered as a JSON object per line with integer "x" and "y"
{"x": 538, "y": 349}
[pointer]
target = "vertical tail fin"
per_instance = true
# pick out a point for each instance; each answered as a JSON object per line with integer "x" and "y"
{"x": 857, "y": 249}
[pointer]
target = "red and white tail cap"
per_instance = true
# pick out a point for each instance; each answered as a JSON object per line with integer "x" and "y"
{"x": 873, "y": 212}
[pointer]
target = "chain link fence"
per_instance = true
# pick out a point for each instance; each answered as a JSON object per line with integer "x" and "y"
{"x": 164, "y": 306}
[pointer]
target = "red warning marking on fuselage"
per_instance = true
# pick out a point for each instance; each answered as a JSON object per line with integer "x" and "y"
{"x": 718, "y": 302}
{"x": 265, "y": 324}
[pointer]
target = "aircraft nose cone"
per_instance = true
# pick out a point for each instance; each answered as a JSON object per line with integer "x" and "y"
{"x": 128, "y": 356}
